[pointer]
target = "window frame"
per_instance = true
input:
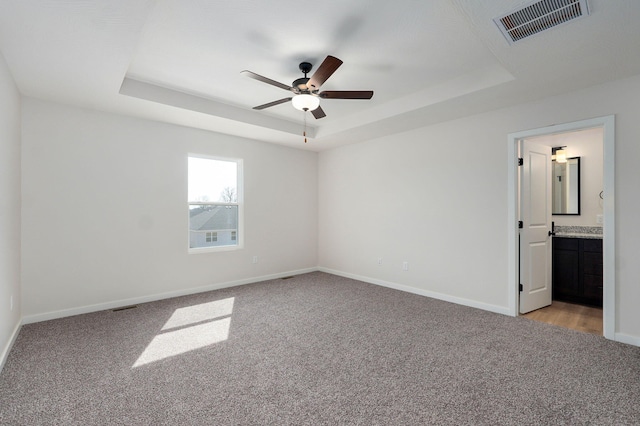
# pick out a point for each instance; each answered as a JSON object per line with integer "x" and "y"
{"x": 239, "y": 241}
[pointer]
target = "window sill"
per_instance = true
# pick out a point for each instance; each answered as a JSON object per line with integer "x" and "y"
{"x": 199, "y": 250}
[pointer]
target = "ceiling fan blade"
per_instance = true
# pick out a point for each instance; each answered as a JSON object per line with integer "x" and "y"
{"x": 327, "y": 67}
{"x": 274, "y": 103}
{"x": 266, "y": 80}
{"x": 318, "y": 113}
{"x": 346, "y": 94}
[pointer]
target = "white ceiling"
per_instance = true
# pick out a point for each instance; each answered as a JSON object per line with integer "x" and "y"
{"x": 427, "y": 61}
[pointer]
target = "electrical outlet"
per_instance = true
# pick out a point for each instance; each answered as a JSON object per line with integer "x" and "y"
{"x": 599, "y": 219}
{"x": 255, "y": 259}
{"x": 405, "y": 266}
{"x": 11, "y": 301}
{"x": 379, "y": 261}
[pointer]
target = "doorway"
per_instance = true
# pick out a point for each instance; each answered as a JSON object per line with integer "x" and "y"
{"x": 608, "y": 219}
{"x": 576, "y": 210}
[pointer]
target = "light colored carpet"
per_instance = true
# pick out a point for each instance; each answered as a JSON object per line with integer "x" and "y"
{"x": 312, "y": 350}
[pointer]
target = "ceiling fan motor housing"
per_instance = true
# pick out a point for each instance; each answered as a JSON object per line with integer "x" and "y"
{"x": 301, "y": 84}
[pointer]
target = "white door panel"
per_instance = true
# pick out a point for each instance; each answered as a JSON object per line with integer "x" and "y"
{"x": 537, "y": 275}
{"x": 535, "y": 214}
{"x": 538, "y": 203}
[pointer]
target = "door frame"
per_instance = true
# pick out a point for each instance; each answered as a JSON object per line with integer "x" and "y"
{"x": 607, "y": 123}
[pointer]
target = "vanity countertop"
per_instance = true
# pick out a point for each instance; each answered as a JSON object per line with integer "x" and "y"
{"x": 587, "y": 232}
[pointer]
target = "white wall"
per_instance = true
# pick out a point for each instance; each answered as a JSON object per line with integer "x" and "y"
{"x": 437, "y": 198}
{"x": 588, "y": 145}
{"x": 9, "y": 209}
{"x": 102, "y": 195}
{"x": 104, "y": 213}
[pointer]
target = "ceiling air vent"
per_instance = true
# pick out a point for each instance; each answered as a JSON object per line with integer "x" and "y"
{"x": 539, "y": 16}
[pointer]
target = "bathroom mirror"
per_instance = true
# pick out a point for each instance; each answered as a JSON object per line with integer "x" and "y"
{"x": 566, "y": 187}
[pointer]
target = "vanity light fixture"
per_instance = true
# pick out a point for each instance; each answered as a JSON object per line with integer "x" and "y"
{"x": 559, "y": 154}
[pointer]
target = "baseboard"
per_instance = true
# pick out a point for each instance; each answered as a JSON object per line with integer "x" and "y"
{"x": 445, "y": 297}
{"x": 9, "y": 345}
{"x": 629, "y": 340}
{"x": 159, "y": 296}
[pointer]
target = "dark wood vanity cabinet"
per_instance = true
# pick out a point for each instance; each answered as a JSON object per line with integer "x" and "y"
{"x": 577, "y": 270}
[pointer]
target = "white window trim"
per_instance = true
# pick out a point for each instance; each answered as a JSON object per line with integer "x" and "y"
{"x": 240, "y": 192}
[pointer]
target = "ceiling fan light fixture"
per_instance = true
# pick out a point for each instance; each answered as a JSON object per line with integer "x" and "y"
{"x": 305, "y": 102}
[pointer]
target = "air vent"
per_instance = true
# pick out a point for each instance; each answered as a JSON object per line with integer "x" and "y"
{"x": 539, "y": 16}
{"x": 124, "y": 308}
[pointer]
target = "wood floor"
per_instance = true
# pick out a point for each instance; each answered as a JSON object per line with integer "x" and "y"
{"x": 576, "y": 317}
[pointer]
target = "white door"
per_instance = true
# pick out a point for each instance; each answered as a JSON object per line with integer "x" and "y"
{"x": 535, "y": 214}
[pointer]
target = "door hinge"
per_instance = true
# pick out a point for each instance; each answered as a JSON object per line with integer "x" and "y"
{"x": 520, "y": 161}
{"x": 520, "y": 287}
{"x": 520, "y": 224}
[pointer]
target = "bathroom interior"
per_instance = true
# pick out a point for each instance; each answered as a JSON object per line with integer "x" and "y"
{"x": 577, "y": 215}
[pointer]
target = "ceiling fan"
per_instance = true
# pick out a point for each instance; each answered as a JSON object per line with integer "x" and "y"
{"x": 307, "y": 90}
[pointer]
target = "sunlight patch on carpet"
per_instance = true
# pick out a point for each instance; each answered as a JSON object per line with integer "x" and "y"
{"x": 199, "y": 313}
{"x": 195, "y": 327}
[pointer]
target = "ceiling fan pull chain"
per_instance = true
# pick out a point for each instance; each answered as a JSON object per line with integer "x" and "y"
{"x": 304, "y": 131}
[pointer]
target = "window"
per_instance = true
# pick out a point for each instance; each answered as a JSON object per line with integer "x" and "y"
{"x": 215, "y": 208}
